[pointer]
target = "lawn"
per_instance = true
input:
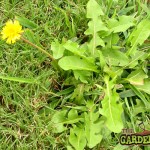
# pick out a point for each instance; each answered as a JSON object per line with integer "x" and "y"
{"x": 78, "y": 76}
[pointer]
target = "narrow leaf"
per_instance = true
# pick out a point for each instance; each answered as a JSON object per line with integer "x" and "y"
{"x": 31, "y": 37}
{"x": 26, "y": 22}
{"x": 139, "y": 35}
{"x": 18, "y": 79}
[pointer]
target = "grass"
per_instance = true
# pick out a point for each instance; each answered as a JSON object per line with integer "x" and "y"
{"x": 24, "y": 124}
{"x": 21, "y": 126}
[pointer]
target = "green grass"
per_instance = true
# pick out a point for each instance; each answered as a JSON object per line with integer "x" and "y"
{"x": 24, "y": 124}
{"x": 21, "y": 127}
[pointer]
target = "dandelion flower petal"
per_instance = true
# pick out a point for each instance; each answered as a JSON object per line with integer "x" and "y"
{"x": 11, "y": 31}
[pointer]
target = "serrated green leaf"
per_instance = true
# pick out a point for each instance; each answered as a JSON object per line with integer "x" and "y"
{"x": 57, "y": 49}
{"x": 60, "y": 118}
{"x": 93, "y": 125}
{"x": 76, "y": 63}
{"x": 73, "y": 114}
{"x": 95, "y": 41}
{"x": 92, "y": 129}
{"x": 93, "y": 9}
{"x": 77, "y": 138}
{"x": 115, "y": 57}
{"x": 110, "y": 109}
{"x": 75, "y": 49}
{"x": 137, "y": 77}
{"x": 111, "y": 40}
{"x": 72, "y": 46}
{"x": 82, "y": 75}
{"x": 122, "y": 25}
{"x": 139, "y": 35}
{"x": 95, "y": 26}
{"x": 26, "y": 22}
{"x": 57, "y": 120}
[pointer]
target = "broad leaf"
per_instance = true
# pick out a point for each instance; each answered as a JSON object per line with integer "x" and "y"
{"x": 82, "y": 75}
{"x": 122, "y": 25}
{"x": 115, "y": 57}
{"x": 111, "y": 40}
{"x": 93, "y": 126}
{"x": 95, "y": 26}
{"x": 145, "y": 87}
{"x": 138, "y": 55}
{"x": 137, "y": 77}
{"x": 69, "y": 147}
{"x": 61, "y": 118}
{"x": 139, "y": 35}
{"x": 110, "y": 109}
{"x": 76, "y": 63}
{"x": 72, "y": 46}
{"x": 57, "y": 120}
{"x": 57, "y": 49}
{"x": 77, "y": 138}
{"x": 93, "y": 9}
{"x": 75, "y": 49}
{"x": 95, "y": 41}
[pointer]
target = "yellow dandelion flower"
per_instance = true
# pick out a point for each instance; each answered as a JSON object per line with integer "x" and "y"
{"x": 11, "y": 31}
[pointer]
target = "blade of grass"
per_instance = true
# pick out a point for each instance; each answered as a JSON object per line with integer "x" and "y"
{"x": 140, "y": 95}
{"x": 18, "y": 79}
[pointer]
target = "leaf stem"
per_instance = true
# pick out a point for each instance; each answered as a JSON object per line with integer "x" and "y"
{"x": 39, "y": 48}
